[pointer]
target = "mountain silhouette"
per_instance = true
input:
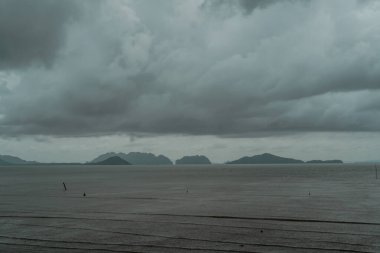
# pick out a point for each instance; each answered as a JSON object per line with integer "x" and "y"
{"x": 15, "y": 160}
{"x": 114, "y": 160}
{"x": 265, "y": 158}
{"x": 137, "y": 158}
{"x": 195, "y": 159}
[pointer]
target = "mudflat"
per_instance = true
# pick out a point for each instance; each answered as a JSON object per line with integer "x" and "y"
{"x": 213, "y": 208}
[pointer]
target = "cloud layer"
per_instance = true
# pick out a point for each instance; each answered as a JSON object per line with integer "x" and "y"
{"x": 189, "y": 67}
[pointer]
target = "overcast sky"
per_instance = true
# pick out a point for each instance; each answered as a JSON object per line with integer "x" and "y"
{"x": 223, "y": 78}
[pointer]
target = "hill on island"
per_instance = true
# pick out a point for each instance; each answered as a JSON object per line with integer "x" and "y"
{"x": 114, "y": 160}
{"x": 15, "y": 160}
{"x": 195, "y": 159}
{"x": 3, "y": 163}
{"x": 265, "y": 158}
{"x": 136, "y": 158}
{"x": 325, "y": 161}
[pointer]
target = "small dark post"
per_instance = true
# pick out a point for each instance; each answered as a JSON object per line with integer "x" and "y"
{"x": 376, "y": 170}
{"x": 64, "y": 186}
{"x": 84, "y": 194}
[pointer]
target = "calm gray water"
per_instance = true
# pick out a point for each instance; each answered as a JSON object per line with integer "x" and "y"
{"x": 231, "y": 208}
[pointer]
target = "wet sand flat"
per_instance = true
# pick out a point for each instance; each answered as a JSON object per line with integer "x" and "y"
{"x": 216, "y": 208}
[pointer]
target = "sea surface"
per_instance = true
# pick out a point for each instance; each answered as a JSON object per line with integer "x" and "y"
{"x": 211, "y": 208}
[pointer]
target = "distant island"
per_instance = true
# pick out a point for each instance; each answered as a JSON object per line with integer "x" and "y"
{"x": 136, "y": 158}
{"x": 326, "y": 161}
{"x": 267, "y": 158}
{"x": 114, "y": 160}
{"x": 195, "y": 159}
{"x": 8, "y": 159}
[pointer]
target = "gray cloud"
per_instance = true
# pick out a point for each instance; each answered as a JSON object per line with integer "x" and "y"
{"x": 172, "y": 67}
{"x": 32, "y": 31}
{"x": 244, "y": 6}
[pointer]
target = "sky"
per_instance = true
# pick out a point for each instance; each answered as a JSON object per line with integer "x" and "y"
{"x": 222, "y": 78}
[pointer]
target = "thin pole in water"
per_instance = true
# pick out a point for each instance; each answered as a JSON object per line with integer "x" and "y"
{"x": 376, "y": 170}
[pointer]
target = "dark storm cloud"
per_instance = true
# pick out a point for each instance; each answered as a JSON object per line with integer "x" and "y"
{"x": 175, "y": 67}
{"x": 249, "y": 5}
{"x": 32, "y": 31}
{"x": 245, "y": 6}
